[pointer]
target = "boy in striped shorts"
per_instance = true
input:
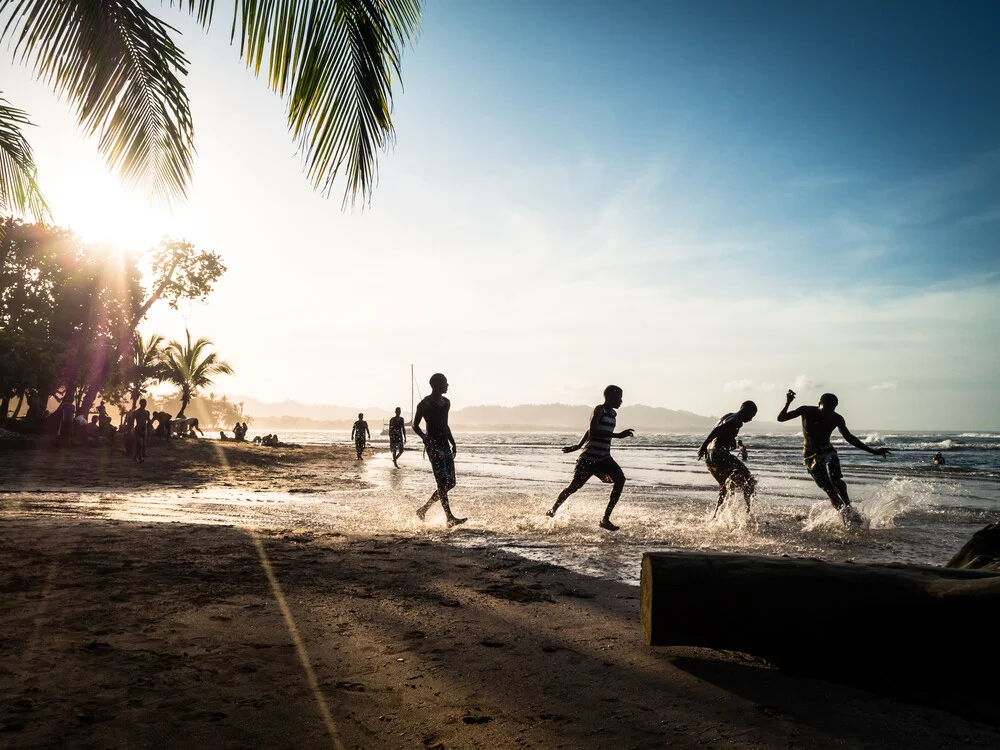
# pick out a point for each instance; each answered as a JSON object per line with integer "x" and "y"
{"x": 596, "y": 459}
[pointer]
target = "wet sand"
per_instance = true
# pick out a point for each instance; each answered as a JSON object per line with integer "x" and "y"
{"x": 118, "y": 634}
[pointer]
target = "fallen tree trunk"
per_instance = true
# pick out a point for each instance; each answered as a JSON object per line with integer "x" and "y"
{"x": 980, "y": 552}
{"x": 840, "y": 617}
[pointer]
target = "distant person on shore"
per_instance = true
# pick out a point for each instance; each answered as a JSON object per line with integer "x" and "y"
{"x": 596, "y": 458}
{"x": 938, "y": 459}
{"x": 820, "y": 457}
{"x": 741, "y": 450}
{"x": 440, "y": 444}
{"x": 141, "y": 418}
{"x": 360, "y": 434}
{"x": 397, "y": 436}
{"x": 729, "y": 471}
{"x": 66, "y": 412}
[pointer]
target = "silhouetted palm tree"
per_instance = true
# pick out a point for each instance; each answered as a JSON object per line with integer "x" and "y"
{"x": 190, "y": 367}
{"x": 332, "y": 61}
{"x": 148, "y": 363}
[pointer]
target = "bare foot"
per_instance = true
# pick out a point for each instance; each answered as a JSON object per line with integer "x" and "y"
{"x": 456, "y": 521}
{"x": 606, "y": 524}
{"x": 421, "y": 512}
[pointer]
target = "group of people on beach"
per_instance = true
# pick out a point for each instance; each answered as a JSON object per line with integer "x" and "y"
{"x": 137, "y": 426}
{"x": 730, "y": 471}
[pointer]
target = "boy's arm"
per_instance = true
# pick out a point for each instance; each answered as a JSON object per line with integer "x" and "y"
{"x": 416, "y": 422}
{"x": 704, "y": 446}
{"x": 578, "y": 446}
{"x": 842, "y": 426}
{"x": 784, "y": 415}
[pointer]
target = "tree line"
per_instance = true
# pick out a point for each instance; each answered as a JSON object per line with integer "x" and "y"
{"x": 69, "y": 317}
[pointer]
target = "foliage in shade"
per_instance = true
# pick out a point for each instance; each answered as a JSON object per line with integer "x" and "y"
{"x": 69, "y": 312}
{"x": 332, "y": 61}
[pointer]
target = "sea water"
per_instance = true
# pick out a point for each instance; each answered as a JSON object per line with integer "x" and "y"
{"x": 912, "y": 511}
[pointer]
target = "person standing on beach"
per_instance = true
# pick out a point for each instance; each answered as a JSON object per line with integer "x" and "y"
{"x": 440, "y": 444}
{"x": 741, "y": 450}
{"x": 397, "y": 436}
{"x": 360, "y": 434}
{"x": 141, "y": 420}
{"x": 819, "y": 456}
{"x": 730, "y": 472}
{"x": 596, "y": 458}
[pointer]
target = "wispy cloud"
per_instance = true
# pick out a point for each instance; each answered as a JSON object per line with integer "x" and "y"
{"x": 804, "y": 383}
{"x": 886, "y": 385}
{"x": 745, "y": 385}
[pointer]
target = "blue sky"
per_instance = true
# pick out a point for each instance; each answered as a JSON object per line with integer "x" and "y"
{"x": 704, "y": 202}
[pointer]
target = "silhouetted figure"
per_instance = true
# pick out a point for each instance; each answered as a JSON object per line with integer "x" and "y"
{"x": 163, "y": 420}
{"x": 141, "y": 418}
{"x": 820, "y": 457}
{"x": 741, "y": 450}
{"x": 938, "y": 459}
{"x": 397, "y": 436}
{"x": 440, "y": 444}
{"x": 596, "y": 458}
{"x": 66, "y": 412}
{"x": 360, "y": 434}
{"x": 728, "y": 470}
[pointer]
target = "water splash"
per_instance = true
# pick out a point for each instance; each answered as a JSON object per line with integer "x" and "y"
{"x": 889, "y": 501}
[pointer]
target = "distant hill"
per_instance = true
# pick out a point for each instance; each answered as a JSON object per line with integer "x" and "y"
{"x": 573, "y": 417}
{"x": 262, "y": 410}
{"x": 525, "y": 417}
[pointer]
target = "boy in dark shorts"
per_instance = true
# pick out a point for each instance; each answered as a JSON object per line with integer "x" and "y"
{"x": 596, "y": 458}
{"x": 726, "y": 468}
{"x": 360, "y": 434}
{"x": 142, "y": 418}
{"x": 819, "y": 456}
{"x": 440, "y": 444}
{"x": 397, "y": 436}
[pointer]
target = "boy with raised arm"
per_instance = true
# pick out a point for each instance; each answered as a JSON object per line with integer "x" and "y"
{"x": 440, "y": 444}
{"x": 723, "y": 465}
{"x": 819, "y": 456}
{"x": 596, "y": 458}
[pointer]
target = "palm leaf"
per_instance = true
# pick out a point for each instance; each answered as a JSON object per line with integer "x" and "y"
{"x": 116, "y": 63}
{"x": 19, "y": 191}
{"x": 333, "y": 62}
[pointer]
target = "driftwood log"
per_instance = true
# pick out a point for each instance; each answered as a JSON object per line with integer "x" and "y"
{"x": 877, "y": 619}
{"x": 980, "y": 552}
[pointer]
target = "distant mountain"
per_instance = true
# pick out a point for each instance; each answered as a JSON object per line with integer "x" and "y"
{"x": 574, "y": 417}
{"x": 524, "y": 417}
{"x": 261, "y": 410}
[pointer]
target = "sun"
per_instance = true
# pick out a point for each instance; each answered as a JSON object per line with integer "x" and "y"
{"x": 99, "y": 209}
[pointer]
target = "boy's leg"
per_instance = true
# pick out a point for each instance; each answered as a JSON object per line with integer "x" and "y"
{"x": 619, "y": 479}
{"x": 580, "y": 478}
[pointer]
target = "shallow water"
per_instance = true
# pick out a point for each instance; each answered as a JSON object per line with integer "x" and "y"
{"x": 912, "y": 512}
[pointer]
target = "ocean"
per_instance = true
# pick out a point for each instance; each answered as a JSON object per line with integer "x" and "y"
{"x": 914, "y": 512}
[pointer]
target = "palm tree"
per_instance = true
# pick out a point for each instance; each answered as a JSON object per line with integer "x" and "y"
{"x": 190, "y": 367}
{"x": 332, "y": 61}
{"x": 147, "y": 363}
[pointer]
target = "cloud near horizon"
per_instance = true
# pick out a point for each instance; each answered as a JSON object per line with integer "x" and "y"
{"x": 887, "y": 385}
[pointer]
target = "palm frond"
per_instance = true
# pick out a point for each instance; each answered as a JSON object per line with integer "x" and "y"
{"x": 116, "y": 63}
{"x": 333, "y": 61}
{"x": 19, "y": 191}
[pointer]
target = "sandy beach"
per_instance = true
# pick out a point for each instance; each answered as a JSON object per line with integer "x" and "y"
{"x": 120, "y": 634}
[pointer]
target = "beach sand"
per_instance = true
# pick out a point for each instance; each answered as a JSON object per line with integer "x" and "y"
{"x": 174, "y": 635}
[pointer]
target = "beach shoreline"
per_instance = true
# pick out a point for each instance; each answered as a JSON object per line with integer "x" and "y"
{"x": 120, "y": 633}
